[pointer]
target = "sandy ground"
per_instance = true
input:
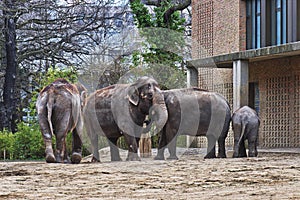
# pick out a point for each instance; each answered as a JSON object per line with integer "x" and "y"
{"x": 269, "y": 176}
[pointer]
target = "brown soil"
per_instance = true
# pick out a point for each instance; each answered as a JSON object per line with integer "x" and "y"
{"x": 269, "y": 176}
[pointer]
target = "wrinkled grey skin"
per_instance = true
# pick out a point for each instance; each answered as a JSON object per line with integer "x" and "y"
{"x": 59, "y": 108}
{"x": 195, "y": 112}
{"x": 120, "y": 110}
{"x": 245, "y": 125}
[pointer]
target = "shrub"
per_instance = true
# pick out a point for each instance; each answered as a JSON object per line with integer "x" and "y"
{"x": 6, "y": 145}
{"x": 28, "y": 142}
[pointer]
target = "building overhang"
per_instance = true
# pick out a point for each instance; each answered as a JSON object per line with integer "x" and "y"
{"x": 253, "y": 55}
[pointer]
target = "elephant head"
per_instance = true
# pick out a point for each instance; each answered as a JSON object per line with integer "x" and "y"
{"x": 144, "y": 98}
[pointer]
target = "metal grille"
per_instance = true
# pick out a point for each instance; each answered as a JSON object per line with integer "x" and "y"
{"x": 204, "y": 12}
{"x": 276, "y": 127}
{"x": 206, "y": 78}
{"x": 296, "y": 114}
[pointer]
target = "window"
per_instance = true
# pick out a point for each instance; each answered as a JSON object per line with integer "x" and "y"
{"x": 253, "y": 24}
{"x": 254, "y": 96}
{"x": 272, "y": 22}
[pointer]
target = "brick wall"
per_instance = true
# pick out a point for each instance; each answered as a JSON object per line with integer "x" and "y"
{"x": 219, "y": 27}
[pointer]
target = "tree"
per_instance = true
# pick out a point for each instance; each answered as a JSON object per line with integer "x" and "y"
{"x": 163, "y": 30}
{"x": 39, "y": 34}
{"x": 9, "y": 101}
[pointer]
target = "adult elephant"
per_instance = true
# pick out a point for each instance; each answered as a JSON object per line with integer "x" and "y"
{"x": 195, "y": 112}
{"x": 245, "y": 125}
{"x": 59, "y": 108}
{"x": 120, "y": 110}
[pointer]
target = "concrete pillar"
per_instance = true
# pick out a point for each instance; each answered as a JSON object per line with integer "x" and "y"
{"x": 192, "y": 81}
{"x": 192, "y": 77}
{"x": 240, "y": 84}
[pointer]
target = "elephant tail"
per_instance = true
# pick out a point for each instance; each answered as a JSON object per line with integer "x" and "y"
{"x": 243, "y": 132}
{"x": 50, "y": 108}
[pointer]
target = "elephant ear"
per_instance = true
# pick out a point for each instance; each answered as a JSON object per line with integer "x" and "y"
{"x": 83, "y": 96}
{"x": 133, "y": 95}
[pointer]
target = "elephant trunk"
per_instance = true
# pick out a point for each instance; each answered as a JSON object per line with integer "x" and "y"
{"x": 158, "y": 113}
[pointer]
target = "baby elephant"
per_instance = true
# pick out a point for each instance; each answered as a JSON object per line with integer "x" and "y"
{"x": 245, "y": 125}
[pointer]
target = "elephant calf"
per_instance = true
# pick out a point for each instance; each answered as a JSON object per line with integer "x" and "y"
{"x": 59, "y": 107}
{"x": 195, "y": 112}
{"x": 245, "y": 125}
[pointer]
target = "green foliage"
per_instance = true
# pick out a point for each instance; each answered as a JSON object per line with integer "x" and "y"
{"x": 164, "y": 43}
{"x": 6, "y": 144}
{"x": 28, "y": 142}
{"x": 144, "y": 19}
{"x": 142, "y": 16}
{"x": 52, "y": 74}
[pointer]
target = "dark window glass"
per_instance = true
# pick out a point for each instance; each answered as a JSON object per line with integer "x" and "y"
{"x": 272, "y": 22}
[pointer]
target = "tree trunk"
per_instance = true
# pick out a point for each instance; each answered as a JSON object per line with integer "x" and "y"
{"x": 145, "y": 145}
{"x": 9, "y": 102}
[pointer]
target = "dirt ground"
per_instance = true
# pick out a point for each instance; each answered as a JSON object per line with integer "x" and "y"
{"x": 269, "y": 176}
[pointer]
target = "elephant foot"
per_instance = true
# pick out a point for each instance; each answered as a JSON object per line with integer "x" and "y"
{"x": 208, "y": 156}
{"x": 94, "y": 160}
{"x": 116, "y": 159}
{"x": 76, "y": 158}
{"x": 159, "y": 157}
{"x": 67, "y": 161}
{"x": 172, "y": 158}
{"x": 133, "y": 157}
{"x": 242, "y": 156}
{"x": 222, "y": 156}
{"x": 50, "y": 158}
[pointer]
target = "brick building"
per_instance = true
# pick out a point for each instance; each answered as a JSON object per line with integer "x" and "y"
{"x": 247, "y": 50}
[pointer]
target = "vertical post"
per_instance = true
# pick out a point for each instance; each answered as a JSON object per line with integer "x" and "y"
{"x": 192, "y": 81}
{"x": 145, "y": 144}
{"x": 192, "y": 77}
{"x": 240, "y": 84}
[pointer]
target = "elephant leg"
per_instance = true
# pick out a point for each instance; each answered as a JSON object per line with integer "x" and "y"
{"x": 172, "y": 149}
{"x": 162, "y": 142}
{"x": 251, "y": 146}
{"x": 252, "y": 142}
{"x": 236, "y": 148}
{"x": 221, "y": 149}
{"x": 76, "y": 147}
{"x": 256, "y": 144}
{"x": 222, "y": 137}
{"x": 47, "y": 137}
{"x": 211, "y": 147}
{"x": 114, "y": 150}
{"x": 61, "y": 151}
{"x": 50, "y": 158}
{"x": 132, "y": 148}
{"x": 242, "y": 149}
{"x": 61, "y": 127}
{"x": 237, "y": 129}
